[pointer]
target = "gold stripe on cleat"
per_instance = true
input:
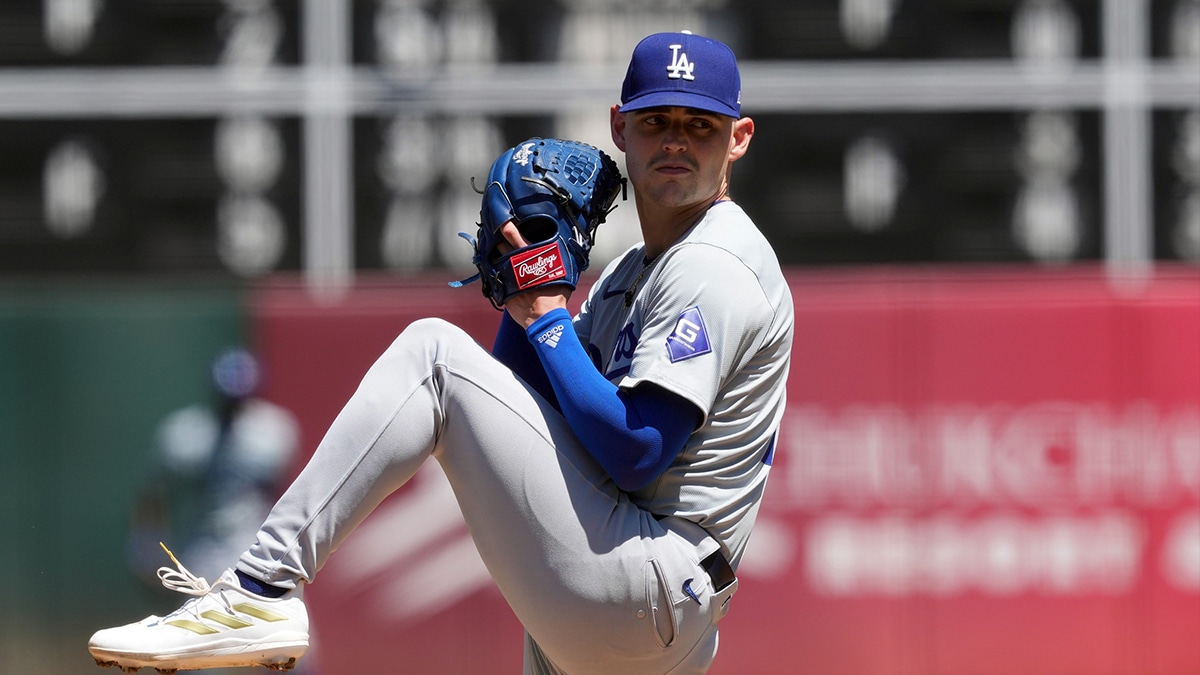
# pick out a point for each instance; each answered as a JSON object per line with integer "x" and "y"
{"x": 194, "y": 626}
{"x": 259, "y": 612}
{"x": 225, "y": 619}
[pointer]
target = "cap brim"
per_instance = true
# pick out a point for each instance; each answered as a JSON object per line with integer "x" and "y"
{"x": 679, "y": 99}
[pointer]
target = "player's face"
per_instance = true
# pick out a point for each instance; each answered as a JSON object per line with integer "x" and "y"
{"x": 679, "y": 157}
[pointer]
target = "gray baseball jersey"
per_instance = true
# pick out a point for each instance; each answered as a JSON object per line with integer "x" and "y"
{"x": 710, "y": 320}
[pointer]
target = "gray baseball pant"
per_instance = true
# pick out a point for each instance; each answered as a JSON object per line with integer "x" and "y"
{"x": 596, "y": 581}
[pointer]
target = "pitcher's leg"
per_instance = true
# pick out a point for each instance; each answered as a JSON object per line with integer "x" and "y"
{"x": 377, "y": 443}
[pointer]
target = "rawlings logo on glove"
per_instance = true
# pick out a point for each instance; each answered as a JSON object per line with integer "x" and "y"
{"x": 539, "y": 266}
{"x": 556, "y": 192}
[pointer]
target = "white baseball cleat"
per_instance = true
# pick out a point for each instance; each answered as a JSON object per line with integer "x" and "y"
{"x": 224, "y": 626}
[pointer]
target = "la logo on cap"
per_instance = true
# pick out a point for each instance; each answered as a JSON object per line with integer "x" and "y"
{"x": 715, "y": 90}
{"x": 681, "y": 67}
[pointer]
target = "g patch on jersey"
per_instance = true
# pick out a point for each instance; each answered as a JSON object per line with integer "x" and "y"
{"x": 690, "y": 337}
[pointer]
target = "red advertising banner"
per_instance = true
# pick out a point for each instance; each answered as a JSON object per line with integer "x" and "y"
{"x": 980, "y": 472}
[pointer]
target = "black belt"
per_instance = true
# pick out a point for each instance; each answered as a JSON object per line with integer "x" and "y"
{"x": 718, "y": 570}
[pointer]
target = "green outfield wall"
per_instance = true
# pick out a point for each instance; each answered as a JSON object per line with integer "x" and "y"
{"x": 86, "y": 372}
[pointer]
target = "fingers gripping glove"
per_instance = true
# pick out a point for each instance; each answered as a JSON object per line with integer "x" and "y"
{"x": 556, "y": 192}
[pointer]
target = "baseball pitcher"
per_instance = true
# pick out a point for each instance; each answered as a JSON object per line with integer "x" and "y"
{"x": 609, "y": 465}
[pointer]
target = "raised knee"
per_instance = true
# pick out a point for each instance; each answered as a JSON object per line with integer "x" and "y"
{"x": 432, "y": 328}
{"x": 431, "y": 334}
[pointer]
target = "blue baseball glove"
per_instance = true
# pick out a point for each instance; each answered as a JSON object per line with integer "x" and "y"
{"x": 556, "y": 192}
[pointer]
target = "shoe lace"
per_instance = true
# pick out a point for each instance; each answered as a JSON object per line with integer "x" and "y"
{"x": 181, "y": 579}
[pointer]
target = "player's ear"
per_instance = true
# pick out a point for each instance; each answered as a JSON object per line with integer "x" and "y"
{"x": 739, "y": 141}
{"x": 616, "y": 121}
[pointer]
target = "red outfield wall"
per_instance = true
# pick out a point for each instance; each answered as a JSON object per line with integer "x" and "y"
{"x": 980, "y": 472}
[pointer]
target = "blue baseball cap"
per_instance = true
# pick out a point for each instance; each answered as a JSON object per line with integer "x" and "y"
{"x": 684, "y": 70}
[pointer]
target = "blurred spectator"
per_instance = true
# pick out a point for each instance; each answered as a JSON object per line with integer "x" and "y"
{"x": 216, "y": 469}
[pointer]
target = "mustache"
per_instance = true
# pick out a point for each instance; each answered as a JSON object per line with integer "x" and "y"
{"x": 661, "y": 159}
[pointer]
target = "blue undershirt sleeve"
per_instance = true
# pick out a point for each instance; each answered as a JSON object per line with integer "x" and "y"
{"x": 633, "y": 434}
{"x": 513, "y": 349}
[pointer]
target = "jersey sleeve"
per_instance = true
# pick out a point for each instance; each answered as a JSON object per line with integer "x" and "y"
{"x": 709, "y": 316}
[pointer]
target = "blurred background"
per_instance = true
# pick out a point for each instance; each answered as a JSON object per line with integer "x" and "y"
{"x": 989, "y": 211}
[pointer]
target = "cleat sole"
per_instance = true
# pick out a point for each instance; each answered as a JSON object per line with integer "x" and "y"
{"x": 280, "y": 657}
{"x": 113, "y": 664}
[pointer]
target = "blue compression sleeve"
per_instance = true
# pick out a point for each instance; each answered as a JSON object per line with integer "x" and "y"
{"x": 513, "y": 349}
{"x": 634, "y": 434}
